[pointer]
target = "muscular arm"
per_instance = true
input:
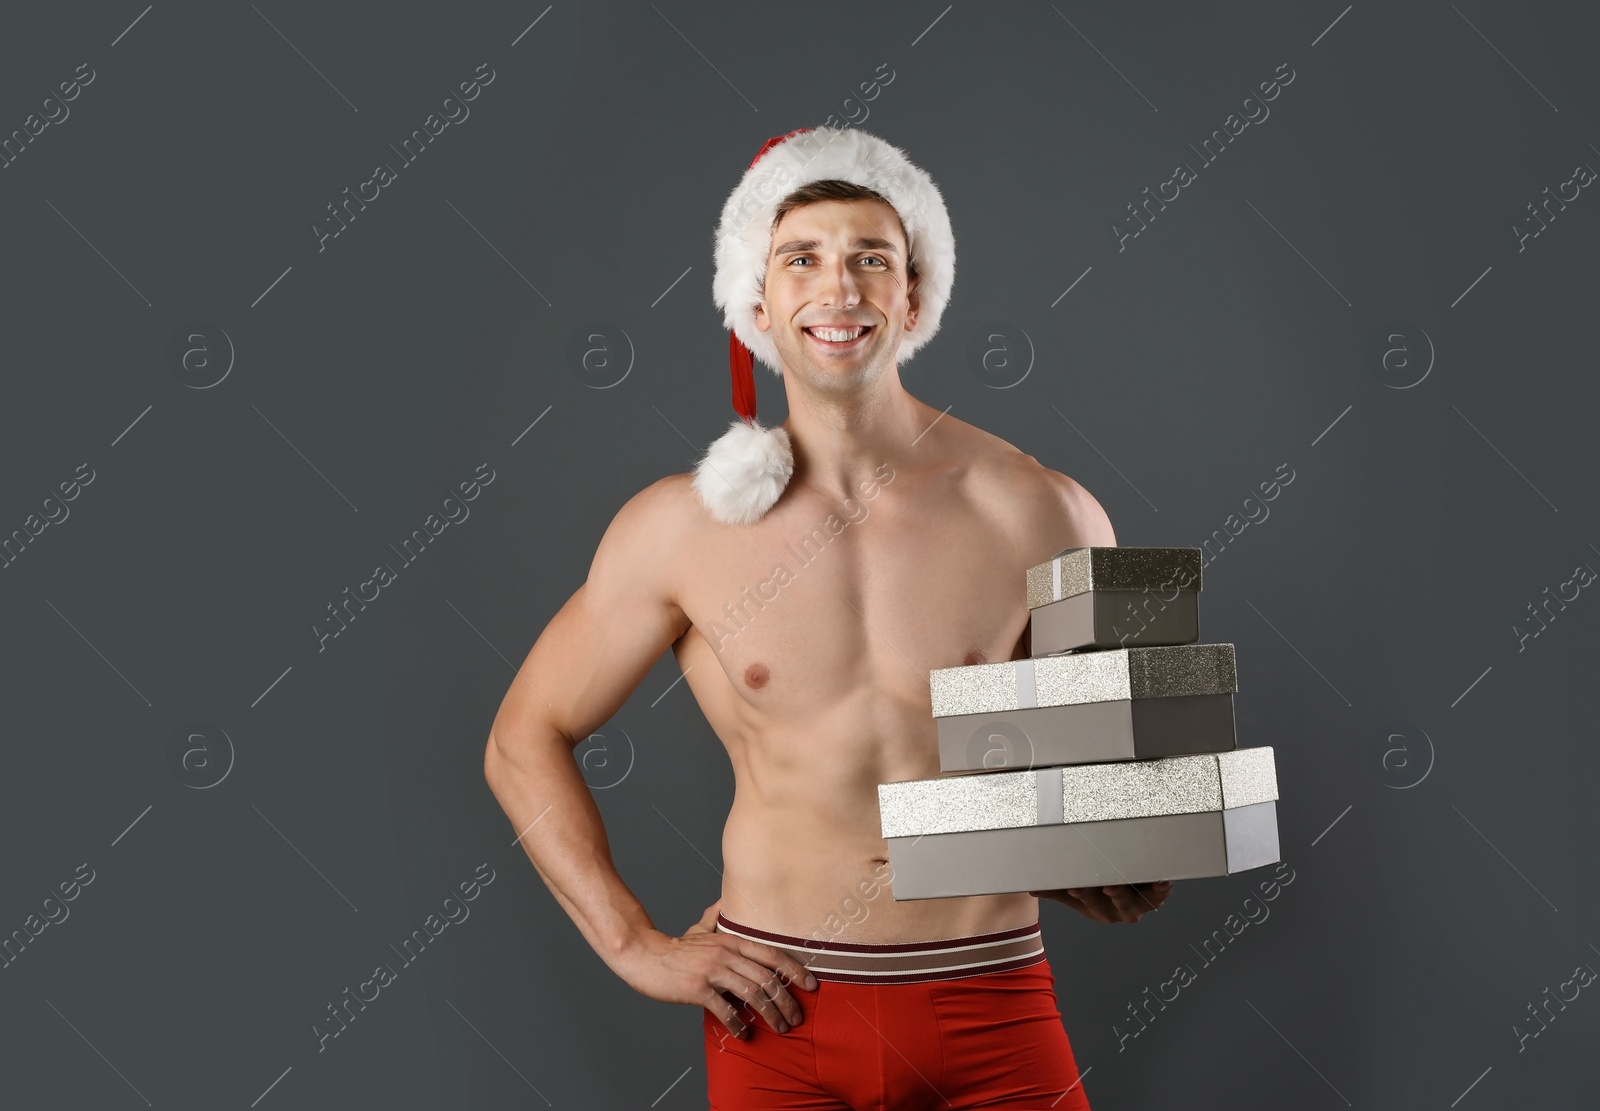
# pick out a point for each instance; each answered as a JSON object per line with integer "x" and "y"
{"x": 580, "y": 671}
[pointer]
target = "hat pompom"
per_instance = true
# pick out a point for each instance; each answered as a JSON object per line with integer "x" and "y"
{"x": 744, "y": 471}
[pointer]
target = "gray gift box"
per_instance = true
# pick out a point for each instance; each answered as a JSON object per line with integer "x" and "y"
{"x": 1086, "y": 826}
{"x": 1114, "y": 598}
{"x": 1085, "y": 707}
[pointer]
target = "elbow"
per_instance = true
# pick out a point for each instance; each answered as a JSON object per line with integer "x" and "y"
{"x": 495, "y": 764}
{"x": 508, "y": 762}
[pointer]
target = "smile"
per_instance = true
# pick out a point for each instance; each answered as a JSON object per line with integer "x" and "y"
{"x": 838, "y": 339}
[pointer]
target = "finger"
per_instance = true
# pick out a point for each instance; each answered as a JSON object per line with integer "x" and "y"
{"x": 726, "y": 1013}
{"x": 1126, "y": 902}
{"x": 775, "y": 984}
{"x": 762, "y": 989}
{"x": 1141, "y": 901}
{"x": 792, "y": 971}
{"x": 1156, "y": 893}
{"x": 1095, "y": 904}
{"x": 748, "y": 993}
{"x": 1081, "y": 901}
{"x": 1137, "y": 897}
{"x": 708, "y": 920}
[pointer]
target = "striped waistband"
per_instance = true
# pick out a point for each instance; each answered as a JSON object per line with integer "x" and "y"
{"x": 905, "y": 962}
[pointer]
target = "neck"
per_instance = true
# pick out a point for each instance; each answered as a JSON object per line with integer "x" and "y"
{"x": 840, "y": 439}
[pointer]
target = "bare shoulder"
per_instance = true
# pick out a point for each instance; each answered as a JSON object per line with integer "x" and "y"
{"x": 669, "y": 502}
{"x": 640, "y": 547}
{"x": 1044, "y": 509}
{"x": 1079, "y": 512}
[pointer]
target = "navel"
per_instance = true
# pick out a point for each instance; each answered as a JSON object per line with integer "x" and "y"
{"x": 976, "y": 656}
{"x": 756, "y": 675}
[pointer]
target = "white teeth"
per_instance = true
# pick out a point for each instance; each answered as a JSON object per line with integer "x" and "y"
{"x": 836, "y": 335}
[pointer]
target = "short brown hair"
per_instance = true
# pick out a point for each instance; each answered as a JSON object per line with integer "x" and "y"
{"x": 833, "y": 189}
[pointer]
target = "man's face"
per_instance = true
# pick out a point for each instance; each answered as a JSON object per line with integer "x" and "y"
{"x": 839, "y": 264}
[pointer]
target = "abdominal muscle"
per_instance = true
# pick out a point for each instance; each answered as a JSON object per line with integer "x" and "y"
{"x": 802, "y": 848}
{"x": 786, "y": 872}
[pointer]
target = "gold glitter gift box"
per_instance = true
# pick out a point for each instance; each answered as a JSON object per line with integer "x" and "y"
{"x": 1084, "y": 707}
{"x": 1114, "y": 598}
{"x": 1088, "y": 825}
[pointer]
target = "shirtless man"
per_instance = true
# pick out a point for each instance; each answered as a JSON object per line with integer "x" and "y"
{"x": 818, "y": 694}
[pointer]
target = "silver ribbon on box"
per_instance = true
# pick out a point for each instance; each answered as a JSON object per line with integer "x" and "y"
{"x": 1078, "y": 793}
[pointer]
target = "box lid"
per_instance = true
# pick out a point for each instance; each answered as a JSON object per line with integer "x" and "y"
{"x": 1078, "y": 793}
{"x": 1078, "y": 677}
{"x": 1072, "y": 571}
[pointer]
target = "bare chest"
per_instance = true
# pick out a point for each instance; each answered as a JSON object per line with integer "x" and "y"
{"x": 832, "y": 605}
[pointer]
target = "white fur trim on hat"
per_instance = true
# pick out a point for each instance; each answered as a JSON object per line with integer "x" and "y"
{"x": 744, "y": 233}
{"x": 744, "y": 471}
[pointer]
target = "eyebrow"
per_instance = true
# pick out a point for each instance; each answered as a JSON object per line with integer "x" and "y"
{"x": 868, "y": 242}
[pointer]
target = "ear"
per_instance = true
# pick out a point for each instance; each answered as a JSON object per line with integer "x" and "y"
{"x": 914, "y": 300}
{"x": 762, "y": 322}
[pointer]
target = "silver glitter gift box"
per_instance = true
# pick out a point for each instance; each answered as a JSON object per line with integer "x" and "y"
{"x": 1087, "y": 826}
{"x": 1114, "y": 598}
{"x": 1085, "y": 707}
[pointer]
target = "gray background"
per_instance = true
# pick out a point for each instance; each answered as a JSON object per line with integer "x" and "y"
{"x": 1437, "y": 891}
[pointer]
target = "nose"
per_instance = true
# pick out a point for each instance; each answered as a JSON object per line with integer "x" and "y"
{"x": 839, "y": 286}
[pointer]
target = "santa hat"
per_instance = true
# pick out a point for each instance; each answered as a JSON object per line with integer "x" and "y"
{"x": 746, "y": 469}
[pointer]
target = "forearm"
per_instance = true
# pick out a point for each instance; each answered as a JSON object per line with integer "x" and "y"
{"x": 537, "y": 783}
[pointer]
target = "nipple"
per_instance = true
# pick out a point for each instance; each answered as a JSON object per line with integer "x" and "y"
{"x": 756, "y": 675}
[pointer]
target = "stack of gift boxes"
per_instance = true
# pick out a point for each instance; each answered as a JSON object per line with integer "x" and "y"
{"x": 1108, "y": 757}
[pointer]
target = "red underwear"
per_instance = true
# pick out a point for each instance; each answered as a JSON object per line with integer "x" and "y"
{"x": 958, "y": 1023}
